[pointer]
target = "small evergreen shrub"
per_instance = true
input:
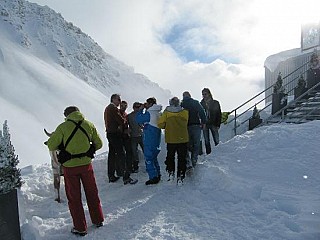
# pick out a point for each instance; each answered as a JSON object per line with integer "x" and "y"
{"x": 10, "y": 176}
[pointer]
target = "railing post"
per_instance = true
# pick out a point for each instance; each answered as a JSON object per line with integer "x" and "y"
{"x": 235, "y": 122}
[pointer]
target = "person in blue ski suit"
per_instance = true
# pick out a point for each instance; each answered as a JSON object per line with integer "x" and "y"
{"x": 151, "y": 137}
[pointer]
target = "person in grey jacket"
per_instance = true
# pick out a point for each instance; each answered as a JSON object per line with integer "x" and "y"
{"x": 196, "y": 122}
{"x": 136, "y": 136}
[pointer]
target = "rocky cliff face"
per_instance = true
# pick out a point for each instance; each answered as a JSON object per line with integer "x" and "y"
{"x": 45, "y": 33}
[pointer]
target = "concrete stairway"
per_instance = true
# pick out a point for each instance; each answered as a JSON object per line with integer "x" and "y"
{"x": 304, "y": 110}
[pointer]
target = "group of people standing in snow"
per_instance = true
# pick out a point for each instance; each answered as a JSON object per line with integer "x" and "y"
{"x": 182, "y": 123}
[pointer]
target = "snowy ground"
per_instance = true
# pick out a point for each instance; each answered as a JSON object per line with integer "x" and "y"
{"x": 263, "y": 184}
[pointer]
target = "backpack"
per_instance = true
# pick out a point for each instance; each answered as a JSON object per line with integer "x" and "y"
{"x": 64, "y": 156}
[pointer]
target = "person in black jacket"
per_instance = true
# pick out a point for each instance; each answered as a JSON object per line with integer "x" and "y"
{"x": 196, "y": 122}
{"x": 213, "y": 111}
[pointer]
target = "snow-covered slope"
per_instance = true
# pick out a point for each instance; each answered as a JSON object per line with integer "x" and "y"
{"x": 263, "y": 185}
{"x": 47, "y": 64}
{"x": 48, "y": 36}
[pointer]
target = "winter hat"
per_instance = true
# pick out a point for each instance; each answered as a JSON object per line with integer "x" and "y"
{"x": 174, "y": 102}
{"x": 69, "y": 110}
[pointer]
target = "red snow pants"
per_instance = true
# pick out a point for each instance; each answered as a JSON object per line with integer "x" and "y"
{"x": 73, "y": 177}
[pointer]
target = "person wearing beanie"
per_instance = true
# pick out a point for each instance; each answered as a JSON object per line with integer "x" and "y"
{"x": 78, "y": 137}
{"x": 174, "y": 121}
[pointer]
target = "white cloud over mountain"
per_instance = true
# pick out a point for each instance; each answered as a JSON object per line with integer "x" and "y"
{"x": 162, "y": 38}
{"x": 48, "y": 64}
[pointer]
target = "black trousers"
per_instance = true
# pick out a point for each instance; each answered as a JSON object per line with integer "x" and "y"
{"x": 116, "y": 156}
{"x": 181, "y": 149}
{"x": 128, "y": 154}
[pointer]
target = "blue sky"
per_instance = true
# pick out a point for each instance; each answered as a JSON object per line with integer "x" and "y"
{"x": 191, "y": 45}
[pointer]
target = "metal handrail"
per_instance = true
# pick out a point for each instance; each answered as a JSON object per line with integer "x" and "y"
{"x": 257, "y": 95}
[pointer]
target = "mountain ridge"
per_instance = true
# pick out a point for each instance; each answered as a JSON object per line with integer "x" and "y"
{"x": 47, "y": 64}
{"x": 43, "y": 32}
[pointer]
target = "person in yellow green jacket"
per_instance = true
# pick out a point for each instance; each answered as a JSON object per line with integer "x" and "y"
{"x": 79, "y": 137}
{"x": 174, "y": 120}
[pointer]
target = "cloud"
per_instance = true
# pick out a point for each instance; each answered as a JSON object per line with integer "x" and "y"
{"x": 191, "y": 44}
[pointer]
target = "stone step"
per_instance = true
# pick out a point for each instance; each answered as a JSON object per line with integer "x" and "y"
{"x": 299, "y": 111}
{"x": 313, "y": 117}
